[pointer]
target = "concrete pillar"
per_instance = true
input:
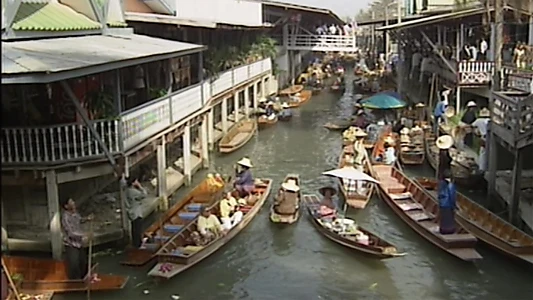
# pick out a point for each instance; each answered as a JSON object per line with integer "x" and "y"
{"x": 224, "y": 113}
{"x": 263, "y": 88}
{"x": 204, "y": 136}
{"x": 54, "y": 212}
{"x": 162, "y": 175}
{"x": 211, "y": 130}
{"x": 236, "y": 106}
{"x": 516, "y": 191}
{"x": 187, "y": 154}
{"x": 247, "y": 102}
{"x": 255, "y": 99}
{"x": 457, "y": 100}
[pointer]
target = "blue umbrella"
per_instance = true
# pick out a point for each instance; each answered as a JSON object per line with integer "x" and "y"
{"x": 383, "y": 101}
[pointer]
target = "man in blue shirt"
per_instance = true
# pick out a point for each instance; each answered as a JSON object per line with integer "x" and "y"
{"x": 447, "y": 195}
{"x": 438, "y": 113}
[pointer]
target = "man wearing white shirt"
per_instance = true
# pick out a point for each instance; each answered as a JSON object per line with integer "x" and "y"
{"x": 483, "y": 47}
{"x": 332, "y": 29}
{"x": 473, "y": 53}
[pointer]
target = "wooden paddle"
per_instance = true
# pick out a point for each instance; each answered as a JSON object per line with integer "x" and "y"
{"x": 90, "y": 260}
{"x": 10, "y": 280}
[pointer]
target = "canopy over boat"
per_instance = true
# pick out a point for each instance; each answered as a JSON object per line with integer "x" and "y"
{"x": 383, "y": 101}
{"x": 350, "y": 173}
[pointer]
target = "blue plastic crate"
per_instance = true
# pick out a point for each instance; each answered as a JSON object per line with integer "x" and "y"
{"x": 173, "y": 228}
{"x": 194, "y": 207}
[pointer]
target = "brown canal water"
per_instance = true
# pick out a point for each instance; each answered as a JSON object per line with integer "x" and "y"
{"x": 266, "y": 261}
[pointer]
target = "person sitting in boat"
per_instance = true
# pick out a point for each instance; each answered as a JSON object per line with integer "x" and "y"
{"x": 74, "y": 240}
{"x": 447, "y": 195}
{"x": 327, "y": 209}
{"x": 208, "y": 226}
{"x": 360, "y": 120}
{"x": 295, "y": 98}
{"x": 286, "y": 111}
{"x": 270, "y": 112}
{"x": 389, "y": 157}
{"x": 286, "y": 202}
{"x": 244, "y": 181}
{"x": 229, "y": 211}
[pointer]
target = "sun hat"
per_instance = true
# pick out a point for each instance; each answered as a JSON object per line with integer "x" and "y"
{"x": 291, "y": 186}
{"x": 449, "y": 112}
{"x": 323, "y": 190}
{"x": 420, "y": 104}
{"x": 471, "y": 104}
{"x": 245, "y": 161}
{"x": 484, "y": 113}
{"x": 360, "y": 133}
{"x": 285, "y": 105}
{"x": 444, "y": 142}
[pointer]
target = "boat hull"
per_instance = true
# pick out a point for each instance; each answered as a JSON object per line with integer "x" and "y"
{"x": 287, "y": 218}
{"x": 238, "y": 136}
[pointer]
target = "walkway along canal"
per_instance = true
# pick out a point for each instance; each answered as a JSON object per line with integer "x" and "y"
{"x": 295, "y": 262}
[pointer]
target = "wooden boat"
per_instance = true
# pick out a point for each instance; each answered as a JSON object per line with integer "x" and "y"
{"x": 237, "y": 136}
{"x": 379, "y": 145}
{"x": 291, "y": 90}
{"x": 416, "y": 208}
{"x": 263, "y": 121}
{"x": 487, "y": 226}
{"x": 304, "y": 97}
{"x": 412, "y": 154}
{"x": 290, "y": 218}
{"x": 460, "y": 176}
{"x": 376, "y": 246}
{"x": 338, "y": 126}
{"x": 178, "y": 254}
{"x": 355, "y": 200}
{"x": 174, "y": 221}
{"x": 48, "y": 275}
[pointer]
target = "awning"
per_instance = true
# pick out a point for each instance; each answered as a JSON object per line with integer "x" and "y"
{"x": 49, "y": 60}
{"x": 435, "y": 19}
{"x": 304, "y": 8}
{"x": 165, "y": 19}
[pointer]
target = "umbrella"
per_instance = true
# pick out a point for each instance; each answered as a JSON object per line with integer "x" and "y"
{"x": 393, "y": 94}
{"x": 350, "y": 173}
{"x": 383, "y": 101}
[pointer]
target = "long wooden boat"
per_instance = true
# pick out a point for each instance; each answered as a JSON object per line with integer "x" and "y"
{"x": 355, "y": 200}
{"x": 338, "y": 126}
{"x": 487, "y": 226}
{"x": 263, "y": 121}
{"x": 291, "y": 90}
{"x": 304, "y": 97}
{"x": 48, "y": 275}
{"x": 414, "y": 206}
{"x": 461, "y": 177}
{"x": 276, "y": 217}
{"x": 237, "y": 136}
{"x": 174, "y": 221}
{"x": 412, "y": 157}
{"x": 376, "y": 246}
{"x": 179, "y": 254}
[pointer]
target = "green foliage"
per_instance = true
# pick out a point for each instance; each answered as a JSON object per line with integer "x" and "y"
{"x": 100, "y": 105}
{"x": 17, "y": 278}
{"x": 220, "y": 59}
{"x": 157, "y": 93}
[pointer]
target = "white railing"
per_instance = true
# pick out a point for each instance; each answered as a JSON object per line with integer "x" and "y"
{"x": 58, "y": 143}
{"x": 322, "y": 42}
{"x": 69, "y": 142}
{"x": 475, "y": 72}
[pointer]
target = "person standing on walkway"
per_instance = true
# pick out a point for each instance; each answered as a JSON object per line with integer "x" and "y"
{"x": 468, "y": 118}
{"x": 481, "y": 126}
{"x": 444, "y": 143}
{"x": 135, "y": 194}
{"x": 74, "y": 239}
{"x": 438, "y": 114}
{"x": 447, "y": 195}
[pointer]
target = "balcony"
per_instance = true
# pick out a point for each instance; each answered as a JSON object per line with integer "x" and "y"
{"x": 63, "y": 143}
{"x": 513, "y": 118}
{"x": 306, "y": 42}
{"x": 475, "y": 73}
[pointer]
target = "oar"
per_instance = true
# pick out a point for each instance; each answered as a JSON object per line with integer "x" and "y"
{"x": 10, "y": 280}
{"x": 90, "y": 260}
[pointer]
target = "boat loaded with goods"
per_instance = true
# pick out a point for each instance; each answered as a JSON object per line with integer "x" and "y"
{"x": 286, "y": 206}
{"x": 412, "y": 146}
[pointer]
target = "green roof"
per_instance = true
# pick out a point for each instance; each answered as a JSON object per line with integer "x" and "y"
{"x": 116, "y": 24}
{"x": 51, "y": 16}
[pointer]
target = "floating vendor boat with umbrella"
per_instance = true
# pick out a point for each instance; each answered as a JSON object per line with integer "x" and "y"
{"x": 384, "y": 101}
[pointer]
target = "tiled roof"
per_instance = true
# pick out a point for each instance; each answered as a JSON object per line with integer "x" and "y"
{"x": 52, "y": 16}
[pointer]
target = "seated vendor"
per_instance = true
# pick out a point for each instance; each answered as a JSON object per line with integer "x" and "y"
{"x": 390, "y": 153}
{"x": 270, "y": 109}
{"x": 208, "y": 225}
{"x": 244, "y": 181}
{"x": 327, "y": 207}
{"x": 229, "y": 213}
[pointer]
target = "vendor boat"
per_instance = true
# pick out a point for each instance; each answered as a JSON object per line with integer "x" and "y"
{"x": 354, "y": 199}
{"x": 337, "y": 126}
{"x": 179, "y": 253}
{"x": 303, "y": 97}
{"x": 412, "y": 146}
{"x": 264, "y": 121}
{"x": 287, "y": 211}
{"x": 49, "y": 275}
{"x": 487, "y": 226}
{"x": 291, "y": 90}
{"x": 237, "y": 136}
{"x": 355, "y": 238}
{"x": 175, "y": 220}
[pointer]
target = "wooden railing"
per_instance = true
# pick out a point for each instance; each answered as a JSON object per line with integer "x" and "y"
{"x": 70, "y": 142}
{"x": 322, "y": 42}
{"x": 58, "y": 143}
{"x": 513, "y": 113}
{"x": 475, "y": 72}
{"x": 518, "y": 80}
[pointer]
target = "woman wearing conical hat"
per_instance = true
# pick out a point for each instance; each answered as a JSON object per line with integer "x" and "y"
{"x": 244, "y": 181}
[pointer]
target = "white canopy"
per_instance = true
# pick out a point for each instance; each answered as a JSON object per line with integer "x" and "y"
{"x": 350, "y": 173}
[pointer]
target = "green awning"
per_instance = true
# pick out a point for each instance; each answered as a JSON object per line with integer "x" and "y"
{"x": 51, "y": 16}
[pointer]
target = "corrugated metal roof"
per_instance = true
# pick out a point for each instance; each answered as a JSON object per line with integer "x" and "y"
{"x": 63, "y": 54}
{"x": 53, "y": 16}
{"x": 435, "y": 19}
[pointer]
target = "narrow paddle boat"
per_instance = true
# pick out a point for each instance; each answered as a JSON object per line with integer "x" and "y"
{"x": 286, "y": 206}
{"x": 303, "y": 97}
{"x": 353, "y": 198}
{"x": 180, "y": 252}
{"x": 344, "y": 232}
{"x": 291, "y": 90}
{"x": 237, "y": 136}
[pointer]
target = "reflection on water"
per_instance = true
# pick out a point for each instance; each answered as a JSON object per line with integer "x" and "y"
{"x": 268, "y": 261}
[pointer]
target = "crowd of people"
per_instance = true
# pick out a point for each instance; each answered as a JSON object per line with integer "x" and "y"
{"x": 332, "y": 29}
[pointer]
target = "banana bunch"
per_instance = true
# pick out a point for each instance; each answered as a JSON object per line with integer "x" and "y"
{"x": 349, "y": 134}
{"x": 215, "y": 182}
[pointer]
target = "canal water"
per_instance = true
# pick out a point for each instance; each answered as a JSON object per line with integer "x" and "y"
{"x": 266, "y": 261}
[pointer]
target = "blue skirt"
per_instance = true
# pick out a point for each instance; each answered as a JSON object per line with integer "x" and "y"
{"x": 447, "y": 220}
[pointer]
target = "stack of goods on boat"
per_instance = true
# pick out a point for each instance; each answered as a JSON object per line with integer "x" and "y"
{"x": 412, "y": 144}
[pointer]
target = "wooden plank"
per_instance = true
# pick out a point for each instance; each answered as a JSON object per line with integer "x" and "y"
{"x": 458, "y": 237}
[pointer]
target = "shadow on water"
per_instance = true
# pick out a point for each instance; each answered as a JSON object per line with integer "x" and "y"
{"x": 273, "y": 262}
